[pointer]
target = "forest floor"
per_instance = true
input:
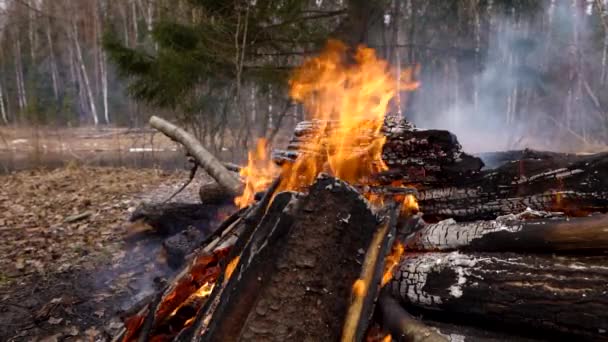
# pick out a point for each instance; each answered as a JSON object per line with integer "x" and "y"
{"x": 67, "y": 269}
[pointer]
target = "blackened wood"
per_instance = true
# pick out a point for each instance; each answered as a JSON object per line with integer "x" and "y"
{"x": 215, "y": 193}
{"x": 564, "y": 294}
{"x": 402, "y": 325}
{"x": 168, "y": 219}
{"x": 414, "y": 156}
{"x": 583, "y": 235}
{"x": 494, "y": 160}
{"x": 576, "y": 188}
{"x": 222, "y": 315}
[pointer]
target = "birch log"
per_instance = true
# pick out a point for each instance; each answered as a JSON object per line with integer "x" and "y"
{"x": 565, "y": 294}
{"x": 205, "y": 159}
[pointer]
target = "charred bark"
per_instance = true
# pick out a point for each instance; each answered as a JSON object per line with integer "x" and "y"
{"x": 564, "y": 294}
{"x": 576, "y": 187}
{"x": 512, "y": 233}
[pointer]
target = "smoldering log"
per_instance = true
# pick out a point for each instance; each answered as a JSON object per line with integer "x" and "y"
{"x": 493, "y": 160}
{"x": 512, "y": 233}
{"x": 298, "y": 284}
{"x": 171, "y": 218}
{"x": 578, "y": 188}
{"x": 565, "y": 294}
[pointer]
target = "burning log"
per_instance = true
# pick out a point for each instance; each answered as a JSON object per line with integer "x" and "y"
{"x": 413, "y": 156}
{"x": 294, "y": 277}
{"x": 566, "y": 294}
{"x": 514, "y": 234}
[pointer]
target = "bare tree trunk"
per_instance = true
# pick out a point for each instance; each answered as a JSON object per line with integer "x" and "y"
{"x": 2, "y": 106}
{"x": 54, "y": 71}
{"x": 134, "y": 22}
{"x": 19, "y": 74}
{"x": 30, "y": 27}
{"x": 102, "y": 64}
{"x": 85, "y": 75}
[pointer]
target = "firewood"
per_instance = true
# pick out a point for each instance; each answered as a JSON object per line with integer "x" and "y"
{"x": 576, "y": 188}
{"x": 203, "y": 157}
{"x": 412, "y": 155}
{"x": 565, "y": 294}
{"x": 510, "y": 233}
{"x": 230, "y": 300}
{"x": 401, "y": 325}
{"x": 293, "y": 279}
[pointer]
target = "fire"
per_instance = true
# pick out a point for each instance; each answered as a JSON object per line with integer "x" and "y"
{"x": 347, "y": 95}
{"x": 258, "y": 173}
{"x": 391, "y": 261}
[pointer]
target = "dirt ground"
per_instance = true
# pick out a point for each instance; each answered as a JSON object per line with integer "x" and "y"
{"x": 67, "y": 271}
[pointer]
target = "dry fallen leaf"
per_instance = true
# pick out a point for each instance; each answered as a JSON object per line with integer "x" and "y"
{"x": 55, "y": 320}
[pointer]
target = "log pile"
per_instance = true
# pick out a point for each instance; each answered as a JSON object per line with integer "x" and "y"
{"x": 520, "y": 245}
{"x": 414, "y": 156}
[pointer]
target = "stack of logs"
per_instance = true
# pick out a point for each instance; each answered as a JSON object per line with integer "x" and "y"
{"x": 520, "y": 245}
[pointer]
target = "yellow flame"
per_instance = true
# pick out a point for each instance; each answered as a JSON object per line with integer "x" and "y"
{"x": 350, "y": 93}
{"x": 230, "y": 268}
{"x": 258, "y": 173}
{"x": 392, "y": 260}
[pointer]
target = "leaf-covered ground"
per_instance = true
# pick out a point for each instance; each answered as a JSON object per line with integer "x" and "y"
{"x": 67, "y": 270}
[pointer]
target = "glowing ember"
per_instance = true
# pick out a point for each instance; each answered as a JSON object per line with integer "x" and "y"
{"x": 392, "y": 260}
{"x": 205, "y": 290}
{"x": 350, "y": 93}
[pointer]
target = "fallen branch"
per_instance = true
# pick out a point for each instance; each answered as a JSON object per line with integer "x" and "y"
{"x": 203, "y": 157}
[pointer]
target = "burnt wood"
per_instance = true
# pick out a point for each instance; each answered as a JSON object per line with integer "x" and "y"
{"x": 576, "y": 186}
{"x": 413, "y": 156}
{"x": 565, "y": 294}
{"x": 587, "y": 235}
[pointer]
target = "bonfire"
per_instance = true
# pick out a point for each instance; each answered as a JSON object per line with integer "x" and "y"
{"x": 364, "y": 215}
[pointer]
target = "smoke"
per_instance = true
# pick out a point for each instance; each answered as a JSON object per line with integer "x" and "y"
{"x": 522, "y": 81}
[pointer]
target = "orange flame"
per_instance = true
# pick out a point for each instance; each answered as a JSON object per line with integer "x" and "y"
{"x": 391, "y": 261}
{"x": 347, "y": 96}
{"x": 258, "y": 173}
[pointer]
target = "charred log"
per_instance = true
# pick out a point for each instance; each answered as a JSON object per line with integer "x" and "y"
{"x": 402, "y": 325}
{"x": 168, "y": 219}
{"x": 414, "y": 156}
{"x": 563, "y": 294}
{"x": 578, "y": 188}
{"x": 513, "y": 233}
